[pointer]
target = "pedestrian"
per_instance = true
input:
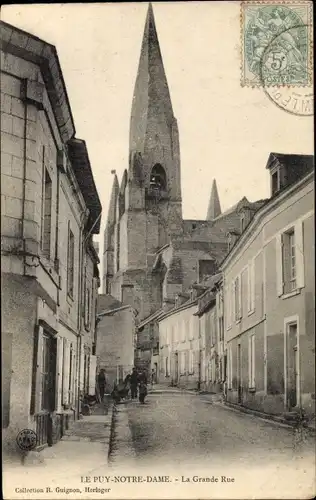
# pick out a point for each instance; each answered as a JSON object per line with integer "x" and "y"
{"x": 133, "y": 382}
{"x": 153, "y": 377}
{"x": 143, "y": 377}
{"x": 101, "y": 383}
{"x": 142, "y": 391}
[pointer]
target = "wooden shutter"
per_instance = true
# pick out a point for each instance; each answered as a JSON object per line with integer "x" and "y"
{"x": 73, "y": 368}
{"x": 60, "y": 351}
{"x": 239, "y": 297}
{"x": 66, "y": 366}
{"x": 81, "y": 375}
{"x": 233, "y": 301}
{"x": 249, "y": 287}
{"x": 92, "y": 374}
{"x": 299, "y": 254}
{"x": 279, "y": 265}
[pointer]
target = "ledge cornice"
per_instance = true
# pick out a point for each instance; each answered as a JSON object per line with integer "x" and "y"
{"x": 26, "y": 46}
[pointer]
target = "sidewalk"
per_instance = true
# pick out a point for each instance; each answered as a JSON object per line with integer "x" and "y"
{"x": 83, "y": 451}
{"x": 218, "y": 399}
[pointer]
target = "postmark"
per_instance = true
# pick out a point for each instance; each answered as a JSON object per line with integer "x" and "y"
{"x": 276, "y": 41}
{"x": 26, "y": 439}
{"x": 297, "y": 100}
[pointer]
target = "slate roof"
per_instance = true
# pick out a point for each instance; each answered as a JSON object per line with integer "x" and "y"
{"x": 107, "y": 302}
{"x": 79, "y": 158}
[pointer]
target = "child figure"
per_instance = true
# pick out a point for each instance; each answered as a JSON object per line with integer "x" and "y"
{"x": 142, "y": 392}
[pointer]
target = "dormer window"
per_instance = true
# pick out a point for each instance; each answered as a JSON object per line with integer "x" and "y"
{"x": 275, "y": 182}
{"x": 242, "y": 222}
{"x": 278, "y": 179}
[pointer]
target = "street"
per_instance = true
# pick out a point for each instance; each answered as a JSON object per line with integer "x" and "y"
{"x": 184, "y": 435}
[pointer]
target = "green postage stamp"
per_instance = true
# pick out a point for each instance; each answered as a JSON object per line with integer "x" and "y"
{"x": 276, "y": 41}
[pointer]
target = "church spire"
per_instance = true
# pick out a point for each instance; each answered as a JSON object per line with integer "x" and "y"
{"x": 112, "y": 206}
{"x": 214, "y": 207}
{"x": 151, "y": 92}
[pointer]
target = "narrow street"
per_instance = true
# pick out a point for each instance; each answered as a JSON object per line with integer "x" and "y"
{"x": 184, "y": 435}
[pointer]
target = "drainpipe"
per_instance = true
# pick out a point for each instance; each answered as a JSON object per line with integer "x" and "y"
{"x": 79, "y": 316}
{"x": 57, "y": 233}
{"x": 24, "y": 184}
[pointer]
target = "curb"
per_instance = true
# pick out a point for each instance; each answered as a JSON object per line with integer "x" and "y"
{"x": 112, "y": 430}
{"x": 266, "y": 417}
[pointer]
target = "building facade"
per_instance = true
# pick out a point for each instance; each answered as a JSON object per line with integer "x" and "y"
{"x": 50, "y": 210}
{"x": 116, "y": 336}
{"x": 269, "y": 296}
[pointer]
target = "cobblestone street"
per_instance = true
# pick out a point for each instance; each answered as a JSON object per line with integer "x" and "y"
{"x": 191, "y": 435}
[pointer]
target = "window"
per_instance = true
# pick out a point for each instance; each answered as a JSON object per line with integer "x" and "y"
{"x": 292, "y": 264}
{"x": 275, "y": 183}
{"x": 191, "y": 328}
{"x": 229, "y": 306}
{"x": 237, "y": 298}
{"x": 290, "y": 260}
{"x": 251, "y": 362}
{"x": 221, "y": 328}
{"x": 47, "y": 214}
{"x": 242, "y": 222}
{"x": 251, "y": 286}
{"x": 229, "y": 367}
{"x": 70, "y": 263}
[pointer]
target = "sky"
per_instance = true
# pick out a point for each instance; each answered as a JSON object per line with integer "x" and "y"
{"x": 226, "y": 131}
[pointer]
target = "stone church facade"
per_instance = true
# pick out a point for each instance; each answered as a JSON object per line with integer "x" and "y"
{"x": 151, "y": 254}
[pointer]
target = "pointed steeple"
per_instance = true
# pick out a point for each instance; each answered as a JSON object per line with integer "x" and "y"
{"x": 151, "y": 92}
{"x": 214, "y": 207}
{"x": 112, "y": 206}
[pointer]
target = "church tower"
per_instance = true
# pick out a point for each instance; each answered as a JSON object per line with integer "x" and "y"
{"x": 146, "y": 210}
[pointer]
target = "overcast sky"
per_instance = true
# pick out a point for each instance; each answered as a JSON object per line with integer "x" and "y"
{"x": 226, "y": 131}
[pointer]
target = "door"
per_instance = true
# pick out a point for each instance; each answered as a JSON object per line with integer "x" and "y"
{"x": 239, "y": 382}
{"x": 292, "y": 358}
{"x": 176, "y": 368}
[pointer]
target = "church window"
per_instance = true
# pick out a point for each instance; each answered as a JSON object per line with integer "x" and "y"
{"x": 158, "y": 179}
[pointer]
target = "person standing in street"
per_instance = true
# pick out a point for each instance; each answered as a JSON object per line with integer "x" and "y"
{"x": 142, "y": 391}
{"x": 133, "y": 383}
{"x": 101, "y": 383}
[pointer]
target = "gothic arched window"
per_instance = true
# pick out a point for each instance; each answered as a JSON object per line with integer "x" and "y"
{"x": 158, "y": 178}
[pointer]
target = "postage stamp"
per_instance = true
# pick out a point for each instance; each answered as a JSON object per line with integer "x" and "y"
{"x": 276, "y": 43}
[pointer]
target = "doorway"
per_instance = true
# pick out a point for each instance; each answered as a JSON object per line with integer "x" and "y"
{"x": 176, "y": 369}
{"x": 239, "y": 373}
{"x": 292, "y": 366}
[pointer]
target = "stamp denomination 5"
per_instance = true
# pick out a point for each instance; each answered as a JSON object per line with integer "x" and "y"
{"x": 276, "y": 41}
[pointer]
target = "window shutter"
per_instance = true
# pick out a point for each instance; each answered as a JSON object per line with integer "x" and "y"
{"x": 299, "y": 254}
{"x": 249, "y": 287}
{"x": 74, "y": 377}
{"x": 60, "y": 350}
{"x": 253, "y": 284}
{"x": 279, "y": 264}
{"x": 92, "y": 374}
{"x": 239, "y": 298}
{"x": 81, "y": 375}
{"x": 66, "y": 367}
{"x": 233, "y": 301}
